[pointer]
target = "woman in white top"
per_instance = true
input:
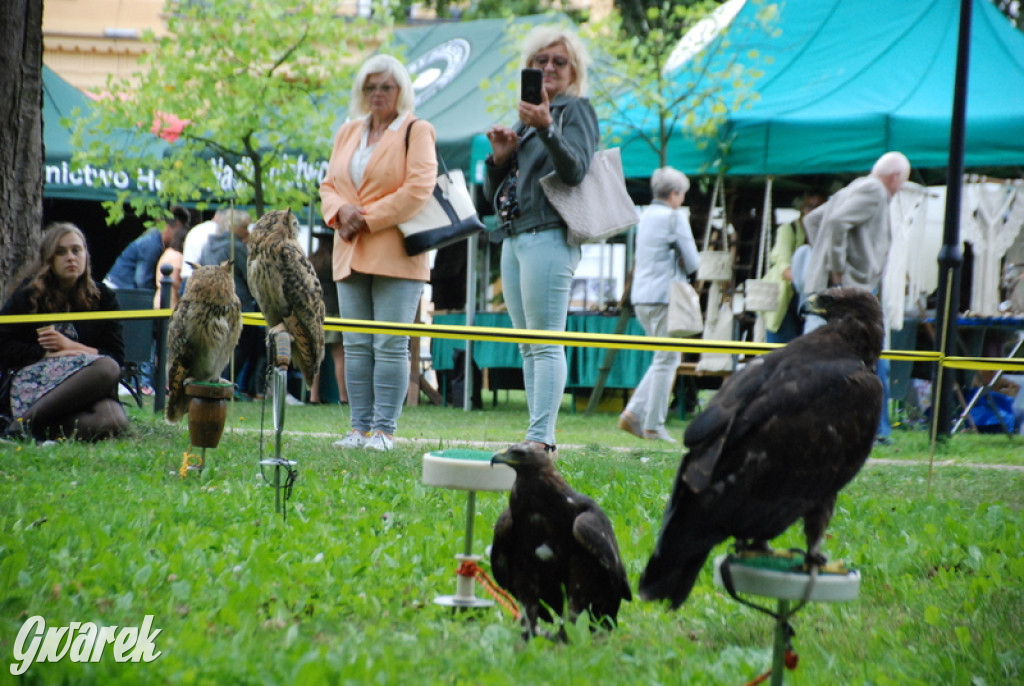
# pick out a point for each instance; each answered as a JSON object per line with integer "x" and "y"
{"x": 665, "y": 251}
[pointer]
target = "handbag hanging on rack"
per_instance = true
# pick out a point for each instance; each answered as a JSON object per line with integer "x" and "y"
{"x": 448, "y": 217}
{"x": 761, "y": 294}
{"x": 716, "y": 265}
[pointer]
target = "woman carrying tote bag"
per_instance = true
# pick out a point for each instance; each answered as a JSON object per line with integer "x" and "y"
{"x": 665, "y": 252}
{"x": 374, "y": 182}
{"x": 537, "y": 262}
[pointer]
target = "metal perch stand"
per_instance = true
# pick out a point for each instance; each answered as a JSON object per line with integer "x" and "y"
{"x": 279, "y": 350}
{"x": 780, "y": 575}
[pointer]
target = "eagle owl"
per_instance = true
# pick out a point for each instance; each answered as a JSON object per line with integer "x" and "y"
{"x": 202, "y": 333}
{"x": 285, "y": 285}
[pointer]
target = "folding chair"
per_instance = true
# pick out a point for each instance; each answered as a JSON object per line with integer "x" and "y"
{"x": 139, "y": 335}
{"x": 987, "y": 388}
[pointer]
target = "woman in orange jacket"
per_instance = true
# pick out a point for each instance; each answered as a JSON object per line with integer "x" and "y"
{"x": 382, "y": 171}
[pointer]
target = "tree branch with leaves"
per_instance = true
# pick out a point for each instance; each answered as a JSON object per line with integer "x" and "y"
{"x": 653, "y": 88}
{"x": 258, "y": 85}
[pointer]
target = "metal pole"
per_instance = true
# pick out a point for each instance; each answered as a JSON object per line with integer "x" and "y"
{"x": 471, "y": 254}
{"x": 781, "y": 640}
{"x": 951, "y": 256}
{"x": 160, "y": 373}
{"x": 470, "y": 514}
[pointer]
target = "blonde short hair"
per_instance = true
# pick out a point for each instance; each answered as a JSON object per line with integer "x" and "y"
{"x": 541, "y": 37}
{"x": 389, "y": 66}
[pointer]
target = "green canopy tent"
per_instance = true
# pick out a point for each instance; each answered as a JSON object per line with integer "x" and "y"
{"x": 851, "y": 79}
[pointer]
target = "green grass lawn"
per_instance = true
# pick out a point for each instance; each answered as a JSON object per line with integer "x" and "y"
{"x": 342, "y": 591}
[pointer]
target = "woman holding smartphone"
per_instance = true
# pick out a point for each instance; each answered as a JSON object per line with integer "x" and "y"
{"x": 559, "y": 134}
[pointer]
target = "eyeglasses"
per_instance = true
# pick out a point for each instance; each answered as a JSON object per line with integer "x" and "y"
{"x": 384, "y": 88}
{"x": 542, "y": 61}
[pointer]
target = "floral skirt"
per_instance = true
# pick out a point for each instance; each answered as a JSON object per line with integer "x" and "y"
{"x": 36, "y": 380}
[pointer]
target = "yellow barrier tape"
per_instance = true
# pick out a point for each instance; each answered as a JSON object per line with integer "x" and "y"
{"x": 84, "y": 316}
{"x": 578, "y": 339}
{"x": 990, "y": 364}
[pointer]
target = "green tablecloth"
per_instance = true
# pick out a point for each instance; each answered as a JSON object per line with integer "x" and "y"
{"x": 583, "y": 363}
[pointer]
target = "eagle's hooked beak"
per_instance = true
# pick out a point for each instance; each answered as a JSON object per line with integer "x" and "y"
{"x": 812, "y": 306}
{"x": 498, "y": 458}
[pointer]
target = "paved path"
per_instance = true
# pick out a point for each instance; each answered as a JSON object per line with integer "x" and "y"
{"x": 432, "y": 443}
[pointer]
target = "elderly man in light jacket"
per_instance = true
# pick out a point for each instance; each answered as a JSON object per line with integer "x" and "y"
{"x": 850, "y": 239}
{"x": 849, "y": 234}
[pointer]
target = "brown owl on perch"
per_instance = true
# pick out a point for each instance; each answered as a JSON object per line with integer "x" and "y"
{"x": 287, "y": 289}
{"x": 202, "y": 333}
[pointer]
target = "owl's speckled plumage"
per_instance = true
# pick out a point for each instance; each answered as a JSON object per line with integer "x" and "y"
{"x": 202, "y": 333}
{"x": 285, "y": 285}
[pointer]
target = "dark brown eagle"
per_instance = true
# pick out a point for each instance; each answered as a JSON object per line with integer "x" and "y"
{"x": 775, "y": 444}
{"x": 555, "y": 549}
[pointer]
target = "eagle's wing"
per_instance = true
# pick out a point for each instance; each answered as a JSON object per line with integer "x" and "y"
{"x": 773, "y": 387}
{"x": 305, "y": 309}
{"x": 502, "y": 550}
{"x": 593, "y": 530}
{"x": 181, "y": 352}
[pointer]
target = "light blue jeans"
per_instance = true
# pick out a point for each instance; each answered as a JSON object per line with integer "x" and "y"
{"x": 649, "y": 403}
{"x": 536, "y": 277}
{"x": 884, "y": 425}
{"x": 377, "y": 365}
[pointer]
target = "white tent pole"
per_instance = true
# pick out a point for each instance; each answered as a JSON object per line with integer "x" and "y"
{"x": 766, "y": 229}
{"x": 471, "y": 249}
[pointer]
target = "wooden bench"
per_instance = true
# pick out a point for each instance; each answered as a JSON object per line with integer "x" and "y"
{"x": 690, "y": 369}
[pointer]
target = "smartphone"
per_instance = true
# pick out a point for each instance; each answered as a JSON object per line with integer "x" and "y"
{"x": 533, "y": 82}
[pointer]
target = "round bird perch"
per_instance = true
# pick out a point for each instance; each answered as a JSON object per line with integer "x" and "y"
{"x": 782, "y": 575}
{"x": 470, "y": 471}
{"x": 207, "y": 411}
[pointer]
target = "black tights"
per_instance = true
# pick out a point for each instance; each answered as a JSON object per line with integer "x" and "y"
{"x": 84, "y": 405}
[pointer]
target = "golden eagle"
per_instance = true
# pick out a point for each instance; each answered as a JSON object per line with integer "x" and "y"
{"x": 776, "y": 443}
{"x": 555, "y": 548}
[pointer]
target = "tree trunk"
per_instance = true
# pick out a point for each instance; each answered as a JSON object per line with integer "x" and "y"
{"x": 21, "y": 136}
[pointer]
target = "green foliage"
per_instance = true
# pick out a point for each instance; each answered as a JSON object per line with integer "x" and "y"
{"x": 261, "y": 84}
{"x": 642, "y": 59}
{"x": 341, "y": 592}
{"x": 478, "y": 9}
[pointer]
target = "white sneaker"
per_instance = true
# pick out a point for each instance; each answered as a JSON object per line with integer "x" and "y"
{"x": 380, "y": 441}
{"x": 353, "y": 439}
{"x": 659, "y": 435}
{"x": 292, "y": 400}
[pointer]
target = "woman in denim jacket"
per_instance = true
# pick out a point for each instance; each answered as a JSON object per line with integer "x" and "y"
{"x": 558, "y": 135}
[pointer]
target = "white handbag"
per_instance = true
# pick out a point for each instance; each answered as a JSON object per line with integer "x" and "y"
{"x": 599, "y": 207}
{"x": 716, "y": 265}
{"x": 448, "y": 217}
{"x": 684, "y": 316}
{"x": 761, "y": 295}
